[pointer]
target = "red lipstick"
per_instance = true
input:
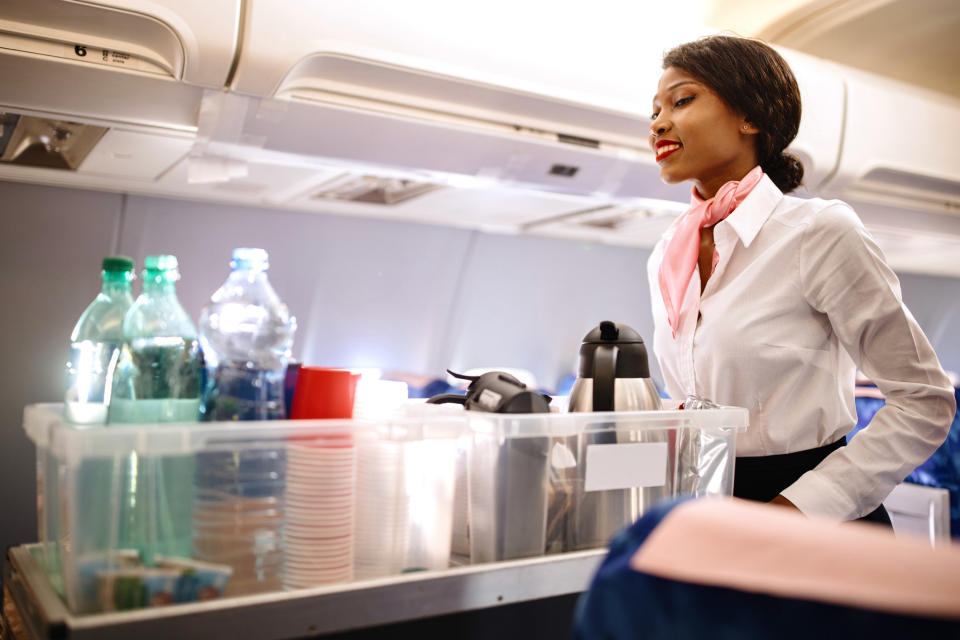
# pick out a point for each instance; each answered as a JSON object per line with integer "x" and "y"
{"x": 665, "y": 148}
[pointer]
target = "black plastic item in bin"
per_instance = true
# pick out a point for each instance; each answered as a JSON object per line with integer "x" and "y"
{"x": 496, "y": 392}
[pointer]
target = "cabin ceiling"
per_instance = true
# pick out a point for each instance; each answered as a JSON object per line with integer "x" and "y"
{"x": 913, "y": 41}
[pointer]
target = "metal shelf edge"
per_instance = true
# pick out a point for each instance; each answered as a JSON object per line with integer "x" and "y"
{"x": 312, "y": 611}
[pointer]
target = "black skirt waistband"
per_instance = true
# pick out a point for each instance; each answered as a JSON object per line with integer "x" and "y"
{"x": 808, "y": 458}
{"x": 763, "y": 478}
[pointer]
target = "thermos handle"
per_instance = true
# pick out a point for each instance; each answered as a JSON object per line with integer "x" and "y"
{"x": 445, "y": 398}
{"x": 604, "y": 374}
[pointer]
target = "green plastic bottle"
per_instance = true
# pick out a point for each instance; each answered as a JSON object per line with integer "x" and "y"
{"x": 95, "y": 345}
{"x": 157, "y": 381}
{"x": 157, "y": 377}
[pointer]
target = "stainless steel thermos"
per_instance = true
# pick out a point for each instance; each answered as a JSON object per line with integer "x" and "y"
{"x": 614, "y": 375}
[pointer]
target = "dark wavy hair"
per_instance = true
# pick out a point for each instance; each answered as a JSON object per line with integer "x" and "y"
{"x": 756, "y": 81}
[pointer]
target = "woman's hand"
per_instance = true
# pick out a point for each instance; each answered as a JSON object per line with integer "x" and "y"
{"x": 783, "y": 502}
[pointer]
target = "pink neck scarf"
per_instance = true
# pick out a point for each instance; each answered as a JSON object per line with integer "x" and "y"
{"x": 680, "y": 256}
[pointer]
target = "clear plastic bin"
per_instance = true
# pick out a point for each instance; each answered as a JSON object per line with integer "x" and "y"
{"x": 141, "y": 515}
{"x": 550, "y": 483}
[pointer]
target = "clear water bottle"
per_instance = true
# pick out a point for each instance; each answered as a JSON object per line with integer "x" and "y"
{"x": 157, "y": 377}
{"x": 246, "y": 333}
{"x": 157, "y": 380}
{"x": 95, "y": 345}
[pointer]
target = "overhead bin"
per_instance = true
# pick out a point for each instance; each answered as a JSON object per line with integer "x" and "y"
{"x": 135, "y": 61}
{"x": 544, "y": 94}
{"x": 550, "y": 95}
{"x": 901, "y": 146}
{"x": 502, "y": 61}
{"x": 536, "y": 95}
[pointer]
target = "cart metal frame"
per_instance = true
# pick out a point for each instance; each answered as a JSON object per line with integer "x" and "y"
{"x": 303, "y": 612}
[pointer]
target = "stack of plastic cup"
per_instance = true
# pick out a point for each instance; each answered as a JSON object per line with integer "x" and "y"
{"x": 383, "y": 509}
{"x": 238, "y": 515}
{"x": 321, "y": 474}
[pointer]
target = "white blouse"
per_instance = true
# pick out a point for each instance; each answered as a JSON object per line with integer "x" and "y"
{"x": 801, "y": 296}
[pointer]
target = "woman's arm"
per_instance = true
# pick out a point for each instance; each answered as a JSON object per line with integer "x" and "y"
{"x": 846, "y": 277}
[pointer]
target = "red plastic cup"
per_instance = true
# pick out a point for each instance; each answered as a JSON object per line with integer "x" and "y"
{"x": 323, "y": 393}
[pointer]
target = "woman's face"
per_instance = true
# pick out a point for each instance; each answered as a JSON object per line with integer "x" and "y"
{"x": 697, "y": 136}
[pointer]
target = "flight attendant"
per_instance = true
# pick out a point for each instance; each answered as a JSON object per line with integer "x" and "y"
{"x": 772, "y": 302}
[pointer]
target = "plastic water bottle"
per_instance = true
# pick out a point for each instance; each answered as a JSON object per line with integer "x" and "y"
{"x": 157, "y": 380}
{"x": 246, "y": 333}
{"x": 95, "y": 345}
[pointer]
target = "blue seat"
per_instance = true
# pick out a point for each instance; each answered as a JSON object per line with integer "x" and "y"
{"x": 626, "y": 602}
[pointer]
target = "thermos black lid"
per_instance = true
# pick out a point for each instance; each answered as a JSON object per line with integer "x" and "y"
{"x": 632, "y": 353}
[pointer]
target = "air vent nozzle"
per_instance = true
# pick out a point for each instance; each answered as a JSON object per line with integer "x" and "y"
{"x": 372, "y": 189}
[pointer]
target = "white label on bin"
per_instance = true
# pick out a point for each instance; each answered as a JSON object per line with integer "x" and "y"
{"x": 623, "y": 466}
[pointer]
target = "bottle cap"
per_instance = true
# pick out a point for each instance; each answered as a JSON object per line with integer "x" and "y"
{"x": 160, "y": 269}
{"x": 250, "y": 258}
{"x": 117, "y": 264}
{"x": 160, "y": 262}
